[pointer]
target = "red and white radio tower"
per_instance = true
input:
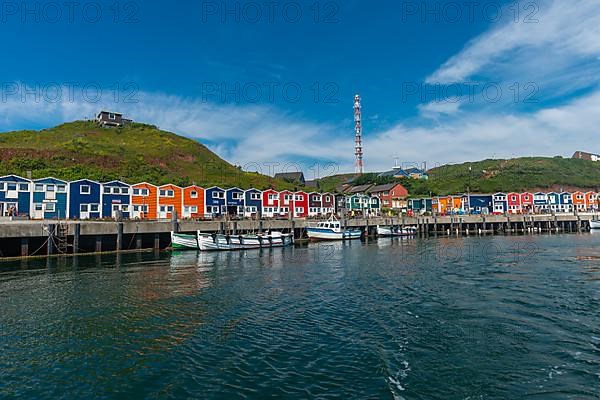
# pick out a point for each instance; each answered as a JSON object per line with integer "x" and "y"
{"x": 358, "y": 151}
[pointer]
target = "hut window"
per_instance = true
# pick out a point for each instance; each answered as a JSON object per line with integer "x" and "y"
{"x": 116, "y": 190}
{"x": 254, "y": 196}
{"x": 112, "y": 116}
{"x": 50, "y": 188}
{"x": 85, "y": 189}
{"x": 94, "y": 207}
{"x": 39, "y": 207}
{"x": 61, "y": 188}
{"x": 12, "y": 186}
{"x": 39, "y": 187}
{"x": 194, "y": 195}
{"x": 124, "y": 191}
{"x": 50, "y": 207}
{"x": 106, "y": 190}
{"x": 24, "y": 187}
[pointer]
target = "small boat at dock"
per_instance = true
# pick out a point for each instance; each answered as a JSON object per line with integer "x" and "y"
{"x": 332, "y": 230}
{"x": 216, "y": 242}
{"x": 389, "y": 231}
{"x": 180, "y": 241}
{"x": 595, "y": 224}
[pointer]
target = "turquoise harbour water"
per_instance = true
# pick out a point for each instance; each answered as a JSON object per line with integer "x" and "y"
{"x": 448, "y": 318}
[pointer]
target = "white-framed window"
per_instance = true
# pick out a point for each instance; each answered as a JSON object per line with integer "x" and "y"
{"x": 299, "y": 210}
{"x": 124, "y": 190}
{"x": 1, "y": 185}
{"x": 94, "y": 207}
{"x": 106, "y": 190}
{"x": 115, "y": 207}
{"x": 24, "y": 187}
{"x": 218, "y": 195}
{"x": 170, "y": 208}
{"x": 38, "y": 206}
{"x": 163, "y": 208}
{"x": 194, "y": 194}
{"x": 116, "y": 190}
{"x": 298, "y": 198}
{"x": 85, "y": 189}
{"x": 194, "y": 209}
{"x": 136, "y": 192}
{"x": 236, "y": 196}
{"x": 125, "y": 207}
{"x": 287, "y": 197}
{"x": 84, "y": 207}
{"x": 11, "y": 186}
{"x": 254, "y": 196}
{"x": 162, "y": 193}
{"x": 112, "y": 116}
{"x": 50, "y": 188}
{"x": 38, "y": 187}
{"x": 272, "y": 196}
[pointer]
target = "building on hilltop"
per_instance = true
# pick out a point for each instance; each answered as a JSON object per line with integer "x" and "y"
{"x": 108, "y": 119}
{"x": 399, "y": 172}
{"x": 582, "y": 155}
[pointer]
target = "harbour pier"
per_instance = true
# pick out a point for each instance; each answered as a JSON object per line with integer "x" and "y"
{"x": 50, "y": 238}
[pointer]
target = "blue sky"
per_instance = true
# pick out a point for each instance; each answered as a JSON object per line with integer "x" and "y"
{"x": 273, "y": 82}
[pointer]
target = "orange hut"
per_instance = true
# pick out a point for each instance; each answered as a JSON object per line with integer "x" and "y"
{"x": 193, "y": 202}
{"x": 170, "y": 200}
{"x": 579, "y": 201}
{"x": 591, "y": 201}
{"x": 144, "y": 200}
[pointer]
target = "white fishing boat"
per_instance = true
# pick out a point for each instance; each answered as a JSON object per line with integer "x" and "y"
{"x": 396, "y": 231}
{"x": 217, "y": 242}
{"x": 180, "y": 241}
{"x": 595, "y": 224}
{"x": 332, "y": 230}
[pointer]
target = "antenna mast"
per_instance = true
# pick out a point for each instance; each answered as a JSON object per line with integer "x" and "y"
{"x": 358, "y": 150}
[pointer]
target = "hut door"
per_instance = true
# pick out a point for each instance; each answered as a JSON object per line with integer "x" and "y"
{"x": 84, "y": 211}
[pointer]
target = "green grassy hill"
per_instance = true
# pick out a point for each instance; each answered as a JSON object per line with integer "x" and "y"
{"x": 136, "y": 153}
{"x": 489, "y": 176}
{"x": 518, "y": 174}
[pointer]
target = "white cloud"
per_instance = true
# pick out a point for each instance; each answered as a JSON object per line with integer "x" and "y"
{"x": 566, "y": 33}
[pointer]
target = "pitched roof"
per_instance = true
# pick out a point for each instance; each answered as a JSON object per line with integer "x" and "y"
{"x": 313, "y": 184}
{"x": 382, "y": 188}
{"x": 359, "y": 189}
{"x": 290, "y": 176}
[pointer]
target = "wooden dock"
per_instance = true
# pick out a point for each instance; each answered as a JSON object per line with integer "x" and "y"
{"x": 40, "y": 238}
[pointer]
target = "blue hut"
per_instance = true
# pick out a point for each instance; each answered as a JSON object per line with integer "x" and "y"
{"x": 215, "y": 201}
{"x": 15, "y": 196}
{"x": 85, "y": 198}
{"x": 235, "y": 201}
{"x": 252, "y": 203}
{"x": 50, "y": 199}
{"x": 500, "y": 201}
{"x": 554, "y": 201}
{"x": 480, "y": 203}
{"x": 116, "y": 197}
{"x": 566, "y": 202}
{"x": 540, "y": 201}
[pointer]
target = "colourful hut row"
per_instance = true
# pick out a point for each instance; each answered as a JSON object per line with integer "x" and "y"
{"x": 508, "y": 203}
{"x": 52, "y": 198}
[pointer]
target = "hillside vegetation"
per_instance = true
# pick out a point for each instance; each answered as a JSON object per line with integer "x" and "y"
{"x": 489, "y": 176}
{"x": 135, "y": 153}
